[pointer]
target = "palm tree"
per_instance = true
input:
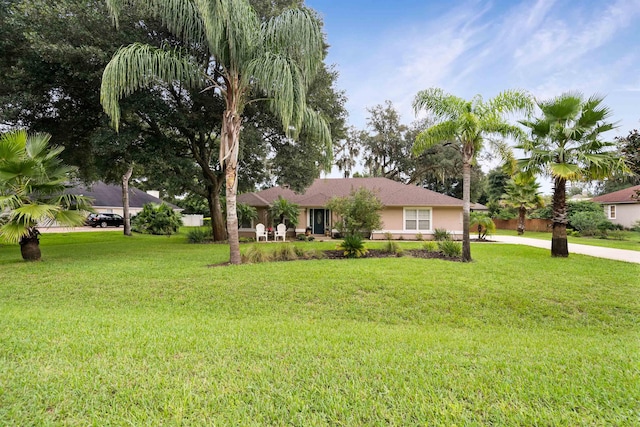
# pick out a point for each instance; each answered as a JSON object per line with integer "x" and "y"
{"x": 242, "y": 56}
{"x": 522, "y": 193}
{"x": 282, "y": 208}
{"x": 32, "y": 184}
{"x": 565, "y": 143}
{"x": 484, "y": 223}
{"x": 466, "y": 124}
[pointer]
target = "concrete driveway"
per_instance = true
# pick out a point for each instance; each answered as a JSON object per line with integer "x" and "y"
{"x": 574, "y": 248}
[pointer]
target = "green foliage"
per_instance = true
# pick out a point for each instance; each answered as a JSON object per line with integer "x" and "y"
{"x": 359, "y": 213}
{"x": 285, "y": 252}
{"x": 483, "y": 223}
{"x": 199, "y": 235}
{"x": 566, "y": 142}
{"x": 353, "y": 246}
{"x": 33, "y": 181}
{"x": 156, "y": 219}
{"x": 246, "y": 213}
{"x": 450, "y": 248}
{"x": 193, "y": 204}
{"x": 440, "y": 234}
{"x": 391, "y": 247}
{"x": 255, "y": 253}
{"x": 545, "y": 212}
{"x": 419, "y": 237}
{"x": 282, "y": 209}
{"x": 305, "y": 238}
{"x": 590, "y": 223}
{"x": 430, "y": 246}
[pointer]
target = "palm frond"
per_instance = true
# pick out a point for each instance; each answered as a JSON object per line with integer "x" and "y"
{"x": 139, "y": 66}
{"x": 12, "y": 145}
{"x": 181, "y": 17}
{"x": 296, "y": 34}
{"x": 12, "y": 231}
{"x": 438, "y": 103}
{"x": 436, "y": 134}
{"x": 317, "y": 126}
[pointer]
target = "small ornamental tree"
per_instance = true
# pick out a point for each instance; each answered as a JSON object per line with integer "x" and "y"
{"x": 483, "y": 223}
{"x": 359, "y": 213}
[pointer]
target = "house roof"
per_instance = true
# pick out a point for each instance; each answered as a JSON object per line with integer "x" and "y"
{"x": 390, "y": 193}
{"x": 107, "y": 195}
{"x": 628, "y": 195}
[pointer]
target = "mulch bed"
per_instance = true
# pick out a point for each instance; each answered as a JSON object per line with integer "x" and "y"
{"x": 378, "y": 253}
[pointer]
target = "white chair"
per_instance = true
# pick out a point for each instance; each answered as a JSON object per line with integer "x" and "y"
{"x": 261, "y": 232}
{"x": 281, "y": 232}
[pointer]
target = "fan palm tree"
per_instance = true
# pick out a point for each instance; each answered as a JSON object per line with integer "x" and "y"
{"x": 226, "y": 49}
{"x": 467, "y": 124}
{"x": 32, "y": 184}
{"x": 565, "y": 143}
{"x": 522, "y": 193}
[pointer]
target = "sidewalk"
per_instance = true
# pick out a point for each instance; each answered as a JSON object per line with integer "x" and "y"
{"x": 574, "y": 248}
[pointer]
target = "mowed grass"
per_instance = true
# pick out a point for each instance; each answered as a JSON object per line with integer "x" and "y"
{"x": 631, "y": 239}
{"x": 110, "y": 330}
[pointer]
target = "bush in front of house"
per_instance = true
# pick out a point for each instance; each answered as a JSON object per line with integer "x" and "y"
{"x": 352, "y": 246}
{"x": 156, "y": 219}
{"x": 441, "y": 234}
{"x": 450, "y": 248}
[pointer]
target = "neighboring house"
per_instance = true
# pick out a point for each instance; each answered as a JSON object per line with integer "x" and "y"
{"x": 409, "y": 210}
{"x": 107, "y": 198}
{"x": 621, "y": 207}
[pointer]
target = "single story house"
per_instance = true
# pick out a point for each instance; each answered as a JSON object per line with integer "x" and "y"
{"x": 622, "y": 207}
{"x": 107, "y": 198}
{"x": 409, "y": 211}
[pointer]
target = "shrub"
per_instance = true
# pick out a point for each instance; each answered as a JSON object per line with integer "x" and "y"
{"x": 430, "y": 246}
{"x": 391, "y": 247}
{"x": 353, "y": 247}
{"x": 450, "y": 248}
{"x": 419, "y": 237}
{"x": 255, "y": 254}
{"x": 285, "y": 252}
{"x": 246, "y": 239}
{"x": 388, "y": 236}
{"x": 199, "y": 235}
{"x": 440, "y": 234}
{"x": 359, "y": 213}
{"x": 156, "y": 219}
{"x": 590, "y": 223}
{"x": 617, "y": 235}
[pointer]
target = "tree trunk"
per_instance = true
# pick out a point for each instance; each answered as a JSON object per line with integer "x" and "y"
{"x": 125, "y": 200}
{"x": 522, "y": 212}
{"x": 559, "y": 245}
{"x": 229, "y": 148}
{"x": 466, "y": 207}
{"x": 30, "y": 247}
{"x": 218, "y": 229}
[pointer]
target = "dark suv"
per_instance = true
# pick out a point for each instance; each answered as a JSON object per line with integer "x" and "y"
{"x": 105, "y": 220}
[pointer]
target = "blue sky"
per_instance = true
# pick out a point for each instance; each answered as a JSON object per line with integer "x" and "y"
{"x": 392, "y": 49}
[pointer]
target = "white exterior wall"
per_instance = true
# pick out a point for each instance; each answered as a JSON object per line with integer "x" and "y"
{"x": 626, "y": 213}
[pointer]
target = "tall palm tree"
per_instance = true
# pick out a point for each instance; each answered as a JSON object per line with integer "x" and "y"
{"x": 522, "y": 192}
{"x": 565, "y": 143}
{"x": 226, "y": 49}
{"x": 32, "y": 184}
{"x": 467, "y": 124}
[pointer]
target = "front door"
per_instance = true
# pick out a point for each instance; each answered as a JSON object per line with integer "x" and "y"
{"x": 318, "y": 221}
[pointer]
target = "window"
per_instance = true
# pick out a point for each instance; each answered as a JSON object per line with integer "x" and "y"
{"x": 612, "y": 212}
{"x": 417, "y": 219}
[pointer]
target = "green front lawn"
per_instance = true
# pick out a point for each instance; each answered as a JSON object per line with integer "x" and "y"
{"x": 631, "y": 239}
{"x": 110, "y": 330}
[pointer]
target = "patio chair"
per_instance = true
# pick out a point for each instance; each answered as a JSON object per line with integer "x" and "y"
{"x": 281, "y": 232}
{"x": 261, "y": 232}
